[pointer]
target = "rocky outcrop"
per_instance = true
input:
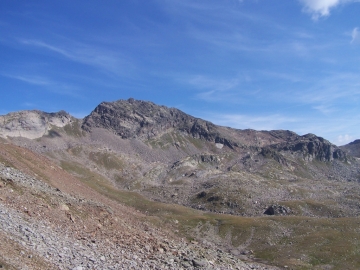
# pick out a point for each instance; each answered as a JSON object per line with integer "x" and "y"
{"x": 311, "y": 147}
{"x": 197, "y": 159}
{"x": 31, "y": 124}
{"x": 277, "y": 210}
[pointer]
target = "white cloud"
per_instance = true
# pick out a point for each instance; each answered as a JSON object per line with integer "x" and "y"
{"x": 324, "y": 109}
{"x": 355, "y": 35}
{"x": 321, "y": 8}
{"x": 344, "y": 139}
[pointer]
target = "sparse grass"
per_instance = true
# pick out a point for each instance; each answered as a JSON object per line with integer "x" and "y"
{"x": 322, "y": 209}
{"x": 299, "y": 242}
{"x": 106, "y": 160}
{"x": 164, "y": 142}
{"x": 76, "y": 151}
{"x": 15, "y": 153}
{"x": 301, "y": 170}
{"x": 199, "y": 144}
{"x": 179, "y": 182}
{"x": 74, "y": 129}
{"x": 6, "y": 162}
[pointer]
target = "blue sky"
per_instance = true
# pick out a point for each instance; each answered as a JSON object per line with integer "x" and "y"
{"x": 260, "y": 64}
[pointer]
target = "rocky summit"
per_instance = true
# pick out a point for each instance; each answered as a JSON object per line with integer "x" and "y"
{"x": 135, "y": 185}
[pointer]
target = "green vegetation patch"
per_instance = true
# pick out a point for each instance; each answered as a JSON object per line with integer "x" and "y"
{"x": 74, "y": 129}
{"x": 107, "y": 160}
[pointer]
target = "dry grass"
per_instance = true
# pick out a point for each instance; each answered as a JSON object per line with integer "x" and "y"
{"x": 299, "y": 242}
{"x": 107, "y": 160}
{"x": 296, "y": 241}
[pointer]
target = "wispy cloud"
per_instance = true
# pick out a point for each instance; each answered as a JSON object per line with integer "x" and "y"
{"x": 46, "y": 46}
{"x": 324, "y": 92}
{"x": 344, "y": 139}
{"x": 355, "y": 35}
{"x": 48, "y": 84}
{"x": 216, "y": 90}
{"x": 98, "y": 57}
{"x": 339, "y": 85}
{"x": 36, "y": 80}
{"x": 324, "y": 109}
{"x": 322, "y": 8}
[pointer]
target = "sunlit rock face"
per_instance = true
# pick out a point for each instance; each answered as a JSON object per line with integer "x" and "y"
{"x": 31, "y": 124}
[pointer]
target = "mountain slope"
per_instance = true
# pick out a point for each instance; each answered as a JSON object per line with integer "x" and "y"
{"x": 52, "y": 220}
{"x": 352, "y": 148}
{"x": 177, "y": 161}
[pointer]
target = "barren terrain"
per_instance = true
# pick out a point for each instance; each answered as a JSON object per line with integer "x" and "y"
{"x": 137, "y": 185}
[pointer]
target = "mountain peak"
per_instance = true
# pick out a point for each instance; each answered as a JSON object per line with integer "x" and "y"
{"x": 142, "y": 119}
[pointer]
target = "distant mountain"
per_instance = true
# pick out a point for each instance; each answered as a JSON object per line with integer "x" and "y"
{"x": 352, "y": 148}
{"x": 146, "y": 120}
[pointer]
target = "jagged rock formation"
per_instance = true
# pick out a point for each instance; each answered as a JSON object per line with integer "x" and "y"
{"x": 311, "y": 147}
{"x": 133, "y": 118}
{"x": 145, "y": 120}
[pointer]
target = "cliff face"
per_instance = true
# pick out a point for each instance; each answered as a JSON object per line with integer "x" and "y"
{"x": 145, "y": 120}
{"x": 311, "y": 147}
{"x": 31, "y": 124}
{"x": 132, "y": 118}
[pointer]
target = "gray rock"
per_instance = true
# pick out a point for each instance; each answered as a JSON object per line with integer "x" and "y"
{"x": 199, "y": 263}
{"x": 277, "y": 210}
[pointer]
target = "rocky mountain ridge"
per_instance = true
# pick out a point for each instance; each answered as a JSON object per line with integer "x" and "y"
{"x": 146, "y": 120}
